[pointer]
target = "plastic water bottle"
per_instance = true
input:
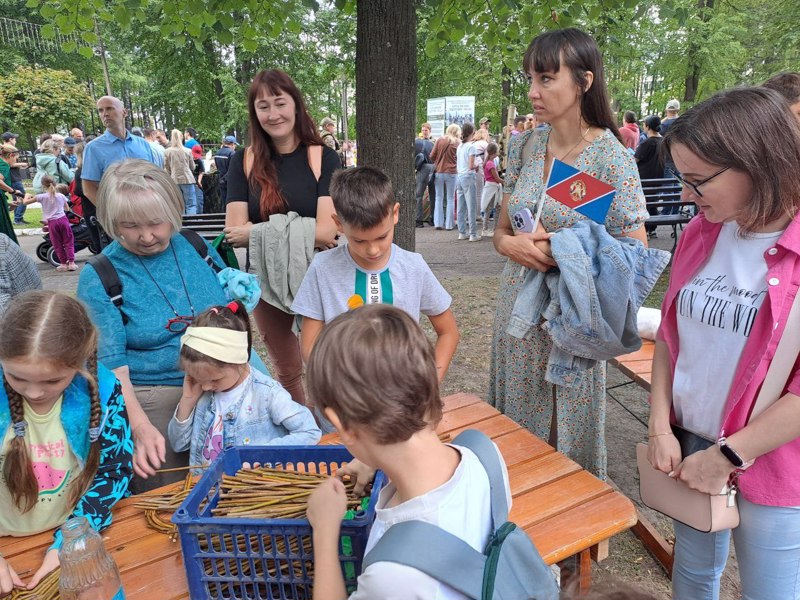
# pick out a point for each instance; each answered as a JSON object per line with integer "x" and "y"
{"x": 87, "y": 571}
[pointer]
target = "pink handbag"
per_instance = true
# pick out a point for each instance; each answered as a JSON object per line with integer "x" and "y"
{"x": 705, "y": 512}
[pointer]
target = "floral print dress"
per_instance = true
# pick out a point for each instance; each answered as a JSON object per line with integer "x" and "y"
{"x": 517, "y": 386}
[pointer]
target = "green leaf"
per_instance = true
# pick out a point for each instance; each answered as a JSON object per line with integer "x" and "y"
{"x": 32, "y": 4}
{"x": 48, "y": 11}
{"x": 86, "y": 52}
{"x": 224, "y": 37}
{"x": 48, "y": 32}
{"x": 295, "y": 26}
{"x": 69, "y": 46}
{"x": 250, "y": 45}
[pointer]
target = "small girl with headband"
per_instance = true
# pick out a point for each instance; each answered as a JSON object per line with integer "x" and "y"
{"x": 65, "y": 441}
{"x": 225, "y": 403}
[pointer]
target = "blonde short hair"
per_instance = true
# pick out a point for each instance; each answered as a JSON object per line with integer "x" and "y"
{"x": 137, "y": 190}
{"x": 48, "y": 146}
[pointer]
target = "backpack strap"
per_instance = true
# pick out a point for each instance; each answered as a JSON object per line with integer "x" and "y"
{"x": 485, "y": 450}
{"x": 431, "y": 549}
{"x": 109, "y": 277}
{"x": 315, "y": 161}
{"x": 199, "y": 244}
{"x": 110, "y": 280}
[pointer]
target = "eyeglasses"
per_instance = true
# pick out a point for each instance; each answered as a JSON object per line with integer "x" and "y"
{"x": 178, "y": 324}
{"x": 695, "y": 186}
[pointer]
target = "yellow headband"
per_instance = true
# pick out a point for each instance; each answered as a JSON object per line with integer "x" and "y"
{"x": 225, "y": 345}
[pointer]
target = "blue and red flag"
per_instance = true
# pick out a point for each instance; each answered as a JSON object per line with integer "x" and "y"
{"x": 580, "y": 191}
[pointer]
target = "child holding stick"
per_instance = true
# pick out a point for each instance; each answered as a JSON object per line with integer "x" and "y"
{"x": 373, "y": 374}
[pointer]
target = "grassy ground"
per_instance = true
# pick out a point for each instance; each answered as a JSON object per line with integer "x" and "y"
{"x": 33, "y": 216}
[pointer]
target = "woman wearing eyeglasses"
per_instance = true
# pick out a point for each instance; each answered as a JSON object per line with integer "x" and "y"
{"x": 734, "y": 276}
{"x": 165, "y": 284}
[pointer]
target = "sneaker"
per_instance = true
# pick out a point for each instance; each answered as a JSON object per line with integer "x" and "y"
{"x": 438, "y": 228}
{"x": 475, "y": 238}
{"x": 61, "y": 268}
{"x": 420, "y": 224}
{"x": 72, "y": 267}
{"x": 487, "y": 233}
{"x": 463, "y": 236}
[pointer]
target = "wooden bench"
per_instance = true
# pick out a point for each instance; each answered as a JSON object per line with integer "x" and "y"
{"x": 638, "y": 367}
{"x": 663, "y": 199}
{"x": 208, "y": 225}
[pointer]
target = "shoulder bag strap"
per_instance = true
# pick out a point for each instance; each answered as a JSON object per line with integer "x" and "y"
{"x": 247, "y": 161}
{"x": 484, "y": 449}
{"x": 199, "y": 244}
{"x": 782, "y": 363}
{"x": 435, "y": 552}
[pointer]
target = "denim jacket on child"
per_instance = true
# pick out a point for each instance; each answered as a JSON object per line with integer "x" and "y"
{"x": 266, "y": 415}
{"x": 589, "y": 303}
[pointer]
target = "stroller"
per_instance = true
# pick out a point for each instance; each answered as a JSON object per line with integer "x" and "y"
{"x": 80, "y": 231}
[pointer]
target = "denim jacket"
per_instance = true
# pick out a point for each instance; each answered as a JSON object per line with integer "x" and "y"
{"x": 265, "y": 415}
{"x": 589, "y": 304}
{"x": 110, "y": 483}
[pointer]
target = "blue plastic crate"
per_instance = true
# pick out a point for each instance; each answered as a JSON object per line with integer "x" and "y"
{"x": 263, "y": 559}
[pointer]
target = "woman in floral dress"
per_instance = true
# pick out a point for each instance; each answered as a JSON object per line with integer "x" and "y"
{"x": 568, "y": 93}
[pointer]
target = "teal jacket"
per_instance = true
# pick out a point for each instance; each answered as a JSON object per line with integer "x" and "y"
{"x": 114, "y": 473}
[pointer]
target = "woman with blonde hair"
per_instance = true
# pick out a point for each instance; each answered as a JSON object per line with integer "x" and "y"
{"x": 179, "y": 165}
{"x": 48, "y": 162}
{"x": 443, "y": 156}
{"x": 166, "y": 283}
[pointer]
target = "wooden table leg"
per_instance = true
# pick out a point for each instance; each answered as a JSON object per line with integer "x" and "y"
{"x": 585, "y": 571}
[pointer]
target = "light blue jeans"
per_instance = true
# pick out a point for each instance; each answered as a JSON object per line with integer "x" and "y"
{"x": 189, "y": 198}
{"x": 445, "y": 192}
{"x": 467, "y": 208}
{"x": 767, "y": 545}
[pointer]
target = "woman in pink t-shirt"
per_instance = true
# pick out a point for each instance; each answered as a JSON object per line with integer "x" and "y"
{"x": 492, "y": 188}
{"x": 53, "y": 206}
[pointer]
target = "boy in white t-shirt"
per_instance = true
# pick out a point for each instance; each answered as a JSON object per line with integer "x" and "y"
{"x": 373, "y": 374}
{"x": 369, "y": 268}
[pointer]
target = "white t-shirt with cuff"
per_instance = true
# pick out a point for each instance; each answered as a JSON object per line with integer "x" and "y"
{"x": 461, "y": 506}
{"x": 716, "y": 312}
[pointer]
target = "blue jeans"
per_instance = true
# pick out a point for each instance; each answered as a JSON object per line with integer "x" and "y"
{"x": 20, "y": 210}
{"x": 445, "y": 192}
{"x": 201, "y": 199}
{"x": 767, "y": 545}
{"x": 189, "y": 198}
{"x": 467, "y": 209}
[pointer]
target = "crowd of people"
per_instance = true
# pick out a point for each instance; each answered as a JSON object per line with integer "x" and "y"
{"x": 153, "y": 368}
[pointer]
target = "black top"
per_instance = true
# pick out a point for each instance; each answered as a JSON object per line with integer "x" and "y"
{"x": 648, "y": 159}
{"x": 295, "y": 178}
{"x": 222, "y": 160}
{"x": 424, "y": 147}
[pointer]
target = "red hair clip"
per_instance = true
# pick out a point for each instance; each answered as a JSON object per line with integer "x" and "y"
{"x": 233, "y": 305}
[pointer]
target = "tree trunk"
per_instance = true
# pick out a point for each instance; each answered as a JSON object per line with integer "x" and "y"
{"x": 386, "y": 91}
{"x": 705, "y": 8}
{"x": 506, "y": 93}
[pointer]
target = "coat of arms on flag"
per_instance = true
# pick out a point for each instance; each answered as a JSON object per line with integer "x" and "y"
{"x": 580, "y": 191}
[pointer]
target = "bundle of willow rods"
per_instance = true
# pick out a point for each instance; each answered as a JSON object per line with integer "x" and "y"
{"x": 46, "y": 590}
{"x": 266, "y": 493}
{"x": 155, "y": 505}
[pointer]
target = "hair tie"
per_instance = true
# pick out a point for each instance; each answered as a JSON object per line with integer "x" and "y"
{"x": 19, "y": 428}
{"x": 214, "y": 310}
{"x": 233, "y": 306}
{"x": 94, "y": 433}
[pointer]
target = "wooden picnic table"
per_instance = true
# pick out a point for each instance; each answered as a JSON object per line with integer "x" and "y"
{"x": 566, "y": 511}
{"x": 637, "y": 366}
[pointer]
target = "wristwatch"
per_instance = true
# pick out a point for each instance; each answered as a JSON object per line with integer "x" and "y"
{"x": 731, "y": 454}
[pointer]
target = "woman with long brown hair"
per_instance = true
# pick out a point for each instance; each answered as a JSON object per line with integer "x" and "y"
{"x": 286, "y": 168}
{"x": 568, "y": 94}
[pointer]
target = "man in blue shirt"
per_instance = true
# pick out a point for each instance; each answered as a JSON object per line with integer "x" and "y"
{"x": 114, "y": 145}
{"x": 189, "y": 135}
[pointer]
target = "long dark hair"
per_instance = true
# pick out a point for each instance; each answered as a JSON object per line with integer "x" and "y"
{"x": 47, "y": 326}
{"x": 578, "y": 51}
{"x": 263, "y": 172}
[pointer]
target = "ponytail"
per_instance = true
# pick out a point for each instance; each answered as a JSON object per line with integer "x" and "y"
{"x": 95, "y": 416}
{"x": 18, "y": 467}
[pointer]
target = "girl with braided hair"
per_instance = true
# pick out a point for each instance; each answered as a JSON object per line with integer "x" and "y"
{"x": 65, "y": 441}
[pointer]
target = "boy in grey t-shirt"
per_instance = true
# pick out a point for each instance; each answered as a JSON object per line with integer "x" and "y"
{"x": 369, "y": 268}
